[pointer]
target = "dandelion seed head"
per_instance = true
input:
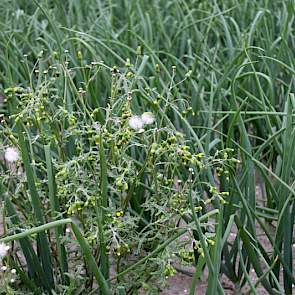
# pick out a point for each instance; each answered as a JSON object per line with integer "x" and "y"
{"x": 147, "y": 118}
{"x": 11, "y": 154}
{"x": 3, "y": 250}
{"x": 135, "y": 123}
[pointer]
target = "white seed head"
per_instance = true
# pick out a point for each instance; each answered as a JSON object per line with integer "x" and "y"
{"x": 3, "y": 250}
{"x": 11, "y": 154}
{"x": 13, "y": 271}
{"x": 135, "y": 123}
{"x": 147, "y": 118}
{"x": 3, "y": 268}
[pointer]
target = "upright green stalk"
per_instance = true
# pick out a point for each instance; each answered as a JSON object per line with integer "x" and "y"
{"x": 43, "y": 245}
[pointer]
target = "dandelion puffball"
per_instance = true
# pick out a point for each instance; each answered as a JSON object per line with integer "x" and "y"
{"x": 138, "y": 122}
{"x": 3, "y": 250}
{"x": 147, "y": 118}
{"x": 135, "y": 123}
{"x": 11, "y": 154}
